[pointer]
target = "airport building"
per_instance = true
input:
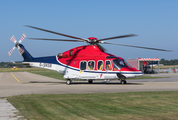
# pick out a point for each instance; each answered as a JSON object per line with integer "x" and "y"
{"x": 145, "y": 64}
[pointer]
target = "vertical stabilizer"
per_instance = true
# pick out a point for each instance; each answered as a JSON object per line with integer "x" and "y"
{"x": 25, "y": 54}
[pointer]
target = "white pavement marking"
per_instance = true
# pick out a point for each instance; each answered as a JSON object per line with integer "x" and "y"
{"x": 8, "y": 111}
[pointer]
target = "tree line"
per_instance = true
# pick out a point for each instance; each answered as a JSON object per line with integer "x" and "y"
{"x": 169, "y": 62}
{"x": 10, "y": 65}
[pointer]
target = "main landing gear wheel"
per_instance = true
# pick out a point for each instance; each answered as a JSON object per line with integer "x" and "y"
{"x": 68, "y": 82}
{"x": 90, "y": 81}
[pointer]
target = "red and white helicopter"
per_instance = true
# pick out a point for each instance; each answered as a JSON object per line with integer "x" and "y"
{"x": 89, "y": 62}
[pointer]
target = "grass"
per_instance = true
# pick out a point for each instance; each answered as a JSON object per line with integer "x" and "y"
{"x": 146, "y": 77}
{"x": 166, "y": 66}
{"x": 102, "y": 106}
{"x": 22, "y": 69}
{"x": 50, "y": 73}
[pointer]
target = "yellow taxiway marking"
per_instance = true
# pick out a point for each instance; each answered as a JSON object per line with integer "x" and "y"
{"x": 30, "y": 82}
{"x": 15, "y": 77}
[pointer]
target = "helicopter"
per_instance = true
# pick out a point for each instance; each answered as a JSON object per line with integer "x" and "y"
{"x": 88, "y": 62}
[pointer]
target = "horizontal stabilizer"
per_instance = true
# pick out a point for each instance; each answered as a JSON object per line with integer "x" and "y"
{"x": 14, "y": 63}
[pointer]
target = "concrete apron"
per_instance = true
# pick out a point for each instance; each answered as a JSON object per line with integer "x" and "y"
{"x": 8, "y": 111}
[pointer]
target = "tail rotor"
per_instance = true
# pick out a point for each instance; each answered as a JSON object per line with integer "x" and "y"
{"x": 17, "y": 44}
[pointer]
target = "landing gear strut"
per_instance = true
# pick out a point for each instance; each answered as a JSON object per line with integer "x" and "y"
{"x": 121, "y": 78}
{"x": 90, "y": 81}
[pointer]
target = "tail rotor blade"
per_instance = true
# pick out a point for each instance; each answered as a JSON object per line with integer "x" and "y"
{"x": 11, "y": 51}
{"x": 22, "y": 38}
{"x": 13, "y": 39}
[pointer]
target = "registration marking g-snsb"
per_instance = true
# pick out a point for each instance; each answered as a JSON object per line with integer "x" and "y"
{"x": 45, "y": 65}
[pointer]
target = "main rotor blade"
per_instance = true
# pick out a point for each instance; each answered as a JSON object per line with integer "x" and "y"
{"x": 118, "y": 37}
{"x": 56, "y": 39}
{"x": 137, "y": 46}
{"x": 101, "y": 47}
{"x": 56, "y": 33}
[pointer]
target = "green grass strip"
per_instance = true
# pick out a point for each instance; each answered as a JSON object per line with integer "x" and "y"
{"x": 99, "y": 106}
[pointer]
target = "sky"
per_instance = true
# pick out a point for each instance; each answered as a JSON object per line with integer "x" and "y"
{"x": 154, "y": 21}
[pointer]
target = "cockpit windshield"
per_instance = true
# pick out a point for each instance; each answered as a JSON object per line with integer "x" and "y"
{"x": 118, "y": 64}
{"x": 127, "y": 63}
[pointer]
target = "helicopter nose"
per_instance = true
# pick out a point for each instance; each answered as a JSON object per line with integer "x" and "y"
{"x": 139, "y": 74}
{"x": 131, "y": 72}
{"x": 129, "y": 69}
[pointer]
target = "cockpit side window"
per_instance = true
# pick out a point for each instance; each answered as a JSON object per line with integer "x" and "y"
{"x": 127, "y": 63}
{"x": 83, "y": 65}
{"x": 108, "y": 65}
{"x": 100, "y": 65}
{"x": 115, "y": 66}
{"x": 118, "y": 64}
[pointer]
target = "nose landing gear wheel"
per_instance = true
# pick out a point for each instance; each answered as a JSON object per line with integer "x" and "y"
{"x": 68, "y": 82}
{"x": 123, "y": 82}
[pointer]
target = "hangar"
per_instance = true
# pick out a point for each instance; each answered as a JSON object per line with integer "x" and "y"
{"x": 143, "y": 63}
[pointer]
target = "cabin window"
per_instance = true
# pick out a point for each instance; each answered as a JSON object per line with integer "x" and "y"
{"x": 108, "y": 65}
{"x": 70, "y": 52}
{"x": 91, "y": 65}
{"x": 100, "y": 65}
{"x": 83, "y": 65}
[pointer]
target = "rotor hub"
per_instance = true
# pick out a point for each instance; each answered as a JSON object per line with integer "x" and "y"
{"x": 16, "y": 44}
{"x": 92, "y": 40}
